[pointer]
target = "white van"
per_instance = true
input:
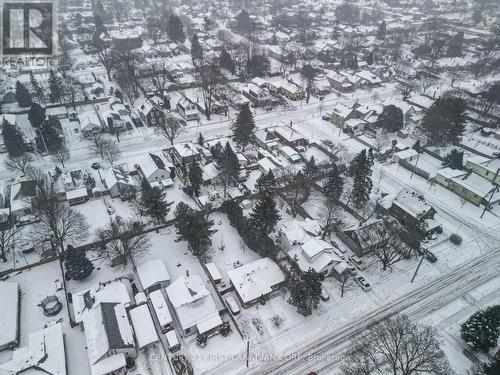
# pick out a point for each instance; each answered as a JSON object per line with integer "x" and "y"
{"x": 172, "y": 341}
{"x": 161, "y": 310}
{"x": 233, "y": 305}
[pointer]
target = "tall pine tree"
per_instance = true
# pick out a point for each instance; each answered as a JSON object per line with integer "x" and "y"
{"x": 305, "y": 291}
{"x": 266, "y": 184}
{"x": 361, "y": 171}
{"x": 265, "y": 216}
{"x": 175, "y": 29}
{"x": 244, "y": 127}
{"x": 154, "y": 204}
{"x": 229, "y": 165}
{"x": 445, "y": 120}
{"x": 13, "y": 139}
{"x": 37, "y": 90}
{"x": 56, "y": 90}
{"x": 334, "y": 186}
{"x": 310, "y": 169}
{"x": 23, "y": 96}
{"x": 226, "y": 61}
{"x": 195, "y": 177}
{"x": 196, "y": 50}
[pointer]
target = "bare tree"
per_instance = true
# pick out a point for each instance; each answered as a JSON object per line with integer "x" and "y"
{"x": 399, "y": 347}
{"x": 171, "y": 128}
{"x": 126, "y": 66}
{"x": 123, "y": 238}
{"x": 328, "y": 217}
{"x": 426, "y": 82}
{"x": 19, "y": 163}
{"x": 62, "y": 155}
{"x": 9, "y": 236}
{"x": 97, "y": 142}
{"x": 57, "y": 218}
{"x": 381, "y": 140}
{"x": 103, "y": 53}
{"x": 209, "y": 78}
{"x": 160, "y": 82}
{"x": 344, "y": 282}
{"x": 110, "y": 151}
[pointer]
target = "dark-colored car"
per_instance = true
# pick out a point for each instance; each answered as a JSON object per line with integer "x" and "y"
{"x": 431, "y": 257}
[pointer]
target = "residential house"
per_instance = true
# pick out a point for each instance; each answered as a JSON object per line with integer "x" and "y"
{"x": 363, "y": 238}
{"x": 187, "y": 109}
{"x": 294, "y": 233}
{"x": 470, "y": 186}
{"x": 290, "y": 90}
{"x": 153, "y": 275}
{"x": 266, "y": 139}
{"x": 90, "y": 124}
{"x": 118, "y": 183}
{"x": 22, "y": 196}
{"x": 259, "y": 97}
{"x": 340, "y": 114}
{"x": 194, "y": 306}
{"x": 150, "y": 110}
{"x": 152, "y": 168}
{"x": 256, "y": 281}
{"x": 484, "y": 167}
{"x": 354, "y": 126}
{"x": 318, "y": 255}
{"x": 185, "y": 153}
{"x": 144, "y": 327}
{"x": 288, "y": 136}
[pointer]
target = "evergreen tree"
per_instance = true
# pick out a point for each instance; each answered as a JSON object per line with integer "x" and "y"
{"x": 23, "y": 96}
{"x": 391, "y": 118}
{"x": 445, "y": 120}
{"x": 334, "y": 186}
{"x": 244, "y": 24}
{"x": 417, "y": 147}
{"x": 194, "y": 228}
{"x": 492, "y": 368}
{"x": 56, "y": 90}
{"x": 305, "y": 292}
{"x": 47, "y": 138}
{"x": 154, "y": 203}
{"x": 257, "y": 65}
{"x": 195, "y": 177}
{"x": 229, "y": 165}
{"x": 382, "y": 30}
{"x": 266, "y": 184}
{"x": 13, "y": 140}
{"x": 37, "y": 91}
{"x": 78, "y": 267}
{"x": 454, "y": 159}
{"x": 175, "y": 29}
{"x": 196, "y": 50}
{"x": 310, "y": 169}
{"x": 201, "y": 139}
{"x": 265, "y": 216}
{"x": 226, "y": 61}
{"x": 36, "y": 115}
{"x": 369, "y": 60}
{"x": 482, "y": 328}
{"x": 360, "y": 170}
{"x": 244, "y": 127}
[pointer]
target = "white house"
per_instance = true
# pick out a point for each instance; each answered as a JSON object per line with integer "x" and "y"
{"x": 256, "y": 281}
{"x": 118, "y": 183}
{"x": 152, "y": 168}
{"x": 187, "y": 109}
{"x": 294, "y": 232}
{"x": 144, "y": 328}
{"x": 193, "y": 305}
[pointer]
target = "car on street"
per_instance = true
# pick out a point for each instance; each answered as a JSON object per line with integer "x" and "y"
{"x": 358, "y": 263}
{"x": 365, "y": 285}
{"x": 431, "y": 257}
{"x": 324, "y": 295}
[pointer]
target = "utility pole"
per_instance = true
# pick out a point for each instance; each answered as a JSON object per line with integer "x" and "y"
{"x": 248, "y": 351}
{"x": 418, "y": 267}
{"x": 415, "y": 166}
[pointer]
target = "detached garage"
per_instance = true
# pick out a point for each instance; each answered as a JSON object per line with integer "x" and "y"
{"x": 9, "y": 314}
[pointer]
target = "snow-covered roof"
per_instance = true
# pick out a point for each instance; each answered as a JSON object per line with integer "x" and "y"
{"x": 9, "y": 295}
{"x": 315, "y": 246}
{"x": 290, "y": 153}
{"x": 144, "y": 328}
{"x": 297, "y": 232}
{"x": 160, "y": 306}
{"x": 210, "y": 172}
{"x": 44, "y": 353}
{"x": 150, "y": 163}
{"x": 76, "y": 193}
{"x": 108, "y": 365}
{"x": 107, "y": 329}
{"x": 471, "y": 181}
{"x": 256, "y": 278}
{"x": 114, "y": 176}
{"x": 405, "y": 154}
{"x": 492, "y": 165}
{"x": 214, "y": 271}
{"x": 192, "y": 301}
{"x": 342, "y": 111}
{"x": 412, "y": 203}
{"x": 152, "y": 272}
{"x": 288, "y": 133}
{"x": 115, "y": 291}
{"x": 185, "y": 149}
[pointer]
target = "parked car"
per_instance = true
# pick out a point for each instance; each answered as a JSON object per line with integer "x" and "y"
{"x": 358, "y": 263}
{"x": 324, "y": 295}
{"x": 339, "y": 254}
{"x": 365, "y": 285}
{"x": 326, "y": 118}
{"x": 233, "y": 305}
{"x": 352, "y": 270}
{"x": 172, "y": 341}
{"x": 431, "y": 257}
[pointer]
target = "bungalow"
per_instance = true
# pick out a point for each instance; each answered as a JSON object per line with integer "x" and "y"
{"x": 420, "y": 101}
{"x": 371, "y": 79}
{"x": 469, "y": 186}
{"x": 256, "y": 281}
{"x": 354, "y": 126}
{"x": 259, "y": 97}
{"x": 152, "y": 168}
{"x": 194, "y": 306}
{"x": 362, "y": 239}
{"x": 266, "y": 139}
{"x": 318, "y": 255}
{"x": 290, "y": 137}
{"x": 290, "y": 154}
{"x": 187, "y": 109}
{"x": 110, "y": 341}
{"x": 90, "y": 124}
{"x": 484, "y": 167}
{"x": 118, "y": 183}
{"x": 290, "y": 90}
{"x": 406, "y": 156}
{"x": 294, "y": 232}
{"x": 44, "y": 353}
